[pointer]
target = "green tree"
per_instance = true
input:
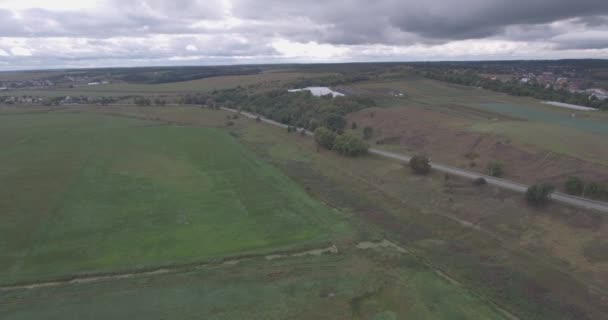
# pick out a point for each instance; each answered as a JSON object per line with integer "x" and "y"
{"x": 368, "y": 132}
{"x": 324, "y": 137}
{"x": 495, "y": 169}
{"x": 538, "y": 195}
{"x": 420, "y": 164}
{"x": 353, "y": 126}
{"x": 335, "y": 122}
{"x": 350, "y": 145}
{"x": 575, "y": 186}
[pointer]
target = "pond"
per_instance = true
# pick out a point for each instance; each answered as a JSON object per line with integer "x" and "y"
{"x": 319, "y": 91}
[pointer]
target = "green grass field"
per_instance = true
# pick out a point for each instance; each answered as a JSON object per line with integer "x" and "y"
{"x": 352, "y": 285}
{"x": 91, "y": 193}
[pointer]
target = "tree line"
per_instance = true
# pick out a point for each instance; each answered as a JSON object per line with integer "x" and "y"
{"x": 516, "y": 88}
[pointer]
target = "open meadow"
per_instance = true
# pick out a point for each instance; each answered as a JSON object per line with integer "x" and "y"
{"x": 86, "y": 193}
{"x": 181, "y": 211}
{"x": 470, "y": 127}
{"x": 533, "y": 264}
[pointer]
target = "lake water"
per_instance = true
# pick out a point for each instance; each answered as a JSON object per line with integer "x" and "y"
{"x": 569, "y": 106}
{"x": 319, "y": 91}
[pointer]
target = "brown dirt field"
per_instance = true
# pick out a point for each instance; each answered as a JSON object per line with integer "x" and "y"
{"x": 445, "y": 139}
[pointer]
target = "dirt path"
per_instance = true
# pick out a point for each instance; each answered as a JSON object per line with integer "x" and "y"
{"x": 332, "y": 249}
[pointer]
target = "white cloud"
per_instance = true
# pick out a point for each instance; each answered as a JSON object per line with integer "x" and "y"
{"x": 21, "y": 52}
{"x": 312, "y": 50}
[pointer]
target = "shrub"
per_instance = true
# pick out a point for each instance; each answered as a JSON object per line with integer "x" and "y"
{"x": 353, "y": 126}
{"x": 480, "y": 181}
{"x": 538, "y": 194}
{"x": 495, "y": 169}
{"x": 324, "y": 137}
{"x": 593, "y": 189}
{"x": 229, "y": 123}
{"x": 367, "y": 132}
{"x": 420, "y": 164}
{"x": 575, "y": 186}
{"x": 350, "y": 145}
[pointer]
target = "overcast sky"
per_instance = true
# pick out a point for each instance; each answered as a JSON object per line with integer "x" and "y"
{"x": 86, "y": 33}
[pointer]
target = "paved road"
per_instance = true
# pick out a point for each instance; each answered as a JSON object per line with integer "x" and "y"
{"x": 505, "y": 184}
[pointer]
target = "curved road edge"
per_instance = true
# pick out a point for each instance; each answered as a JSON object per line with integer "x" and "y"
{"x": 501, "y": 183}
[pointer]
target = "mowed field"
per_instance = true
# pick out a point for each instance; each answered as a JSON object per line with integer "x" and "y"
{"x": 469, "y": 127}
{"x": 82, "y": 193}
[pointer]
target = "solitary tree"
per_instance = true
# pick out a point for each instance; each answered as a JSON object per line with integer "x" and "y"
{"x": 592, "y": 189}
{"x": 324, "y": 137}
{"x": 575, "y": 186}
{"x": 350, "y": 145}
{"x": 538, "y": 195}
{"x": 495, "y": 169}
{"x": 353, "y": 126}
{"x": 420, "y": 164}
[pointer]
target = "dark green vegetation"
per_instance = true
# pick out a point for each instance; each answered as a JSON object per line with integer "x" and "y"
{"x": 496, "y": 169}
{"x": 575, "y": 186}
{"x": 300, "y": 109}
{"x": 325, "y": 138}
{"x": 90, "y": 193}
{"x": 538, "y": 194}
{"x": 350, "y": 145}
{"x": 578, "y": 187}
{"x": 346, "y": 144}
{"x": 420, "y": 164}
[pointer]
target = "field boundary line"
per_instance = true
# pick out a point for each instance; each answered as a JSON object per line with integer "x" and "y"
{"x": 84, "y": 278}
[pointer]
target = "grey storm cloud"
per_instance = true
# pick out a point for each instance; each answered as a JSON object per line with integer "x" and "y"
{"x": 329, "y": 21}
{"x": 118, "y": 29}
{"x": 380, "y": 21}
